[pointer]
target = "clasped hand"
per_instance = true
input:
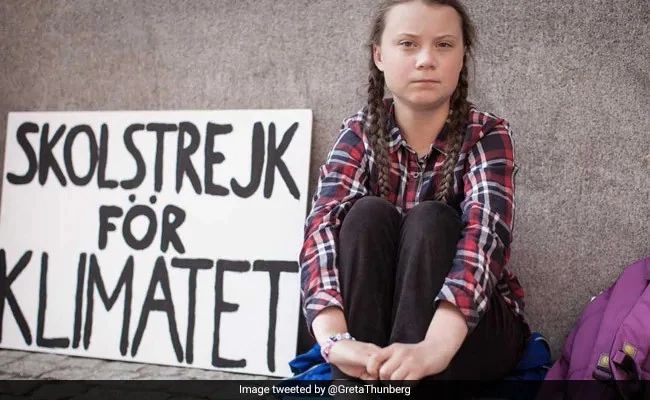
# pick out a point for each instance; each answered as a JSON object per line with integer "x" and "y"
{"x": 398, "y": 361}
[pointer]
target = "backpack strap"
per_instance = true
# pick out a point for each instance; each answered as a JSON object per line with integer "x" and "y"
{"x": 603, "y": 372}
{"x": 625, "y": 362}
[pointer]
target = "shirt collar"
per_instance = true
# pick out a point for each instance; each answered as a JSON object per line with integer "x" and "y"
{"x": 395, "y": 133}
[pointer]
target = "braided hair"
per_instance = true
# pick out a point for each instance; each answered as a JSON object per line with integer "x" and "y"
{"x": 376, "y": 119}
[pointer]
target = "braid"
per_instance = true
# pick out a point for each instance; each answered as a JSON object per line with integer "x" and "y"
{"x": 459, "y": 111}
{"x": 376, "y": 128}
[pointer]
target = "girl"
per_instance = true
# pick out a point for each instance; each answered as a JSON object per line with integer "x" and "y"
{"x": 403, "y": 268}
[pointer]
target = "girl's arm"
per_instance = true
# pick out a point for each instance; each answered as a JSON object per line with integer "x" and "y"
{"x": 446, "y": 333}
{"x": 488, "y": 213}
{"x": 342, "y": 180}
{"x": 328, "y": 322}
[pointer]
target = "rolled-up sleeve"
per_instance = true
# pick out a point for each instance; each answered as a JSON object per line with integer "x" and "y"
{"x": 487, "y": 213}
{"x": 342, "y": 180}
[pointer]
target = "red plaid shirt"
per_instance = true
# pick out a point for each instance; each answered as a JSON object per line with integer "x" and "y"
{"x": 483, "y": 195}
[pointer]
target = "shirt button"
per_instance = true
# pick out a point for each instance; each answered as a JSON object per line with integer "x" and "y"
{"x": 415, "y": 175}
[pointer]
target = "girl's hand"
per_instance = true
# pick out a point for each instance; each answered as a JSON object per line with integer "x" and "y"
{"x": 351, "y": 357}
{"x": 402, "y": 361}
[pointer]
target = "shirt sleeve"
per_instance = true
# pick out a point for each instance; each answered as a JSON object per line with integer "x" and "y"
{"x": 342, "y": 180}
{"x": 487, "y": 213}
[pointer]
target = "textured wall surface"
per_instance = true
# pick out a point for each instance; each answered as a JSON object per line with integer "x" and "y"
{"x": 573, "y": 78}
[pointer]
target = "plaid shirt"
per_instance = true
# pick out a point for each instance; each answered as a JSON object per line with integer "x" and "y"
{"x": 483, "y": 194}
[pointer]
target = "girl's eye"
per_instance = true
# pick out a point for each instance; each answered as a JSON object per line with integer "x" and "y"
{"x": 406, "y": 43}
{"x": 445, "y": 44}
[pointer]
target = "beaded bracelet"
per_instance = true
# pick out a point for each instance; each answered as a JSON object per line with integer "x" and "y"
{"x": 325, "y": 349}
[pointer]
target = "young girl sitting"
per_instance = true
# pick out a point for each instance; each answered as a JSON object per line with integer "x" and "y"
{"x": 403, "y": 268}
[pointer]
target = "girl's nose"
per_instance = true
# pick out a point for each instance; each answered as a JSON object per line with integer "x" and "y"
{"x": 426, "y": 58}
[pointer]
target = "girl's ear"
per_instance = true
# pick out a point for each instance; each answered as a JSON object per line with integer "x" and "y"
{"x": 376, "y": 56}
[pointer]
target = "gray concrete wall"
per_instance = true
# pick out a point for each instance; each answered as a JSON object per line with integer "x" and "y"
{"x": 572, "y": 77}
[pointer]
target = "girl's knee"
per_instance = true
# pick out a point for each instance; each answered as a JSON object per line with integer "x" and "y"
{"x": 369, "y": 212}
{"x": 431, "y": 216}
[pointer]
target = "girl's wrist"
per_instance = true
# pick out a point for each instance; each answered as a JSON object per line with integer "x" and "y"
{"x": 439, "y": 354}
{"x": 326, "y": 348}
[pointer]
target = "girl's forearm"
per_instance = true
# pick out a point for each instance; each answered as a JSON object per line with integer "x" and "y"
{"x": 328, "y": 322}
{"x": 447, "y": 330}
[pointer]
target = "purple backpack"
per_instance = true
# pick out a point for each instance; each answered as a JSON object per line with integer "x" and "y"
{"x": 611, "y": 341}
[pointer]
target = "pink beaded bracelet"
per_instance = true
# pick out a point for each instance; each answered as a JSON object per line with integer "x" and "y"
{"x": 325, "y": 348}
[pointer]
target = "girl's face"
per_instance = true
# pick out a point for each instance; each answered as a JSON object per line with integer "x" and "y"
{"x": 421, "y": 54}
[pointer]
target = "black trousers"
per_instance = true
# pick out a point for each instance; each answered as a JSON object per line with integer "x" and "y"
{"x": 391, "y": 269}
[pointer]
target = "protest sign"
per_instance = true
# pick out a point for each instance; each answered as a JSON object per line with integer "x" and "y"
{"x": 167, "y": 237}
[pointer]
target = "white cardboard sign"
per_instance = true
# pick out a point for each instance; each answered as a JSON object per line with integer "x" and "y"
{"x": 166, "y": 237}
